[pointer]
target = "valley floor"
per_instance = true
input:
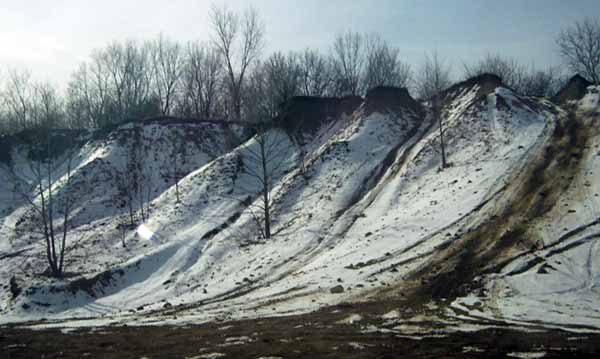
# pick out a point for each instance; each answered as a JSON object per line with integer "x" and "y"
{"x": 367, "y": 330}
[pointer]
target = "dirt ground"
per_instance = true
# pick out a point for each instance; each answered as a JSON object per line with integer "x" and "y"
{"x": 324, "y": 334}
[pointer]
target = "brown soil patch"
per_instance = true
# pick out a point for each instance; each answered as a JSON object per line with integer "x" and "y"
{"x": 505, "y": 234}
{"x": 314, "y": 335}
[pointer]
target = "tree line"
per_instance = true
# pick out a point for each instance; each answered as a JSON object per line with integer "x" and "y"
{"x": 227, "y": 77}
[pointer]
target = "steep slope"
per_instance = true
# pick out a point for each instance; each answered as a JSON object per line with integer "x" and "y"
{"x": 361, "y": 209}
{"x": 98, "y": 208}
{"x": 415, "y": 208}
{"x": 557, "y": 280}
{"x": 210, "y": 253}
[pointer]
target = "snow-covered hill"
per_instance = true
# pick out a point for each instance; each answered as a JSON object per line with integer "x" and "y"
{"x": 361, "y": 208}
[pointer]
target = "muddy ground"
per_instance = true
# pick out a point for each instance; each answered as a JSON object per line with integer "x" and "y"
{"x": 345, "y": 331}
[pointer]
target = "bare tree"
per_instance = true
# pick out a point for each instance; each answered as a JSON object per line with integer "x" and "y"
{"x": 48, "y": 107}
{"x": 270, "y": 86}
{"x": 433, "y": 76}
{"x": 131, "y": 184}
{"x": 526, "y": 80}
{"x": 315, "y": 73}
{"x": 240, "y": 41}
{"x": 283, "y": 76}
{"x": 50, "y": 212}
{"x": 119, "y": 67}
{"x": 263, "y": 157}
{"x": 78, "y": 100}
{"x": 348, "y": 63}
{"x": 18, "y": 98}
{"x": 122, "y": 229}
{"x": 383, "y": 65}
{"x": 260, "y": 103}
{"x": 139, "y": 183}
{"x": 167, "y": 65}
{"x": 201, "y": 81}
{"x": 129, "y": 72}
{"x": 436, "y": 104}
{"x": 116, "y": 84}
{"x": 177, "y": 159}
{"x": 512, "y": 73}
{"x": 126, "y": 188}
{"x": 542, "y": 83}
{"x": 579, "y": 46}
{"x": 88, "y": 94}
{"x": 31, "y": 105}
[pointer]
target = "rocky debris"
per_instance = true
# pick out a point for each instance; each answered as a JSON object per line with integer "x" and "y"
{"x": 337, "y": 289}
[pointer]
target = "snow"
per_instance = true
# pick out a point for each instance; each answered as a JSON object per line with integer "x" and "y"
{"x": 590, "y": 101}
{"x": 144, "y": 232}
{"x": 352, "y": 319}
{"x": 357, "y": 346}
{"x": 394, "y": 314}
{"x": 562, "y": 288}
{"x": 210, "y": 356}
{"x": 370, "y": 206}
{"x": 527, "y": 355}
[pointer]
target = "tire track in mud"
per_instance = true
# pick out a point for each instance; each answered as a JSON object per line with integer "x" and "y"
{"x": 416, "y": 245}
{"x": 488, "y": 207}
{"x": 564, "y": 238}
{"x": 505, "y": 234}
{"x": 494, "y": 192}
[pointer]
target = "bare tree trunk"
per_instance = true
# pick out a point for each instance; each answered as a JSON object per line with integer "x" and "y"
{"x": 131, "y": 214}
{"x": 437, "y": 113}
{"x": 579, "y": 46}
{"x": 147, "y": 202}
{"x": 238, "y": 38}
{"x": 65, "y": 220}
{"x": 122, "y": 233}
{"x": 50, "y": 206}
{"x": 263, "y": 161}
{"x": 444, "y": 164}
{"x": 238, "y": 105}
{"x": 266, "y": 203}
{"x": 42, "y": 200}
{"x": 45, "y": 220}
{"x": 175, "y": 159}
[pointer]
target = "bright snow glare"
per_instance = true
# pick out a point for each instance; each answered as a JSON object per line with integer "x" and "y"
{"x": 145, "y": 232}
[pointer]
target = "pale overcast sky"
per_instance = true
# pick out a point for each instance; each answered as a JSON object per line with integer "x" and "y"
{"x": 51, "y": 38}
